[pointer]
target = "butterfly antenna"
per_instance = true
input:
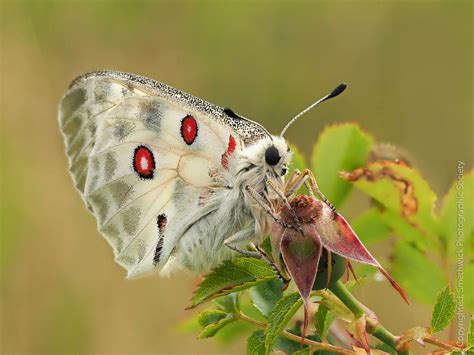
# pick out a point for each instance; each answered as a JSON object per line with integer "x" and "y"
{"x": 339, "y": 89}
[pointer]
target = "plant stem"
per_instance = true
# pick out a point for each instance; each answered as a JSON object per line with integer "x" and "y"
{"x": 381, "y": 333}
{"x": 372, "y": 326}
{"x": 340, "y": 290}
{"x": 312, "y": 344}
{"x": 442, "y": 344}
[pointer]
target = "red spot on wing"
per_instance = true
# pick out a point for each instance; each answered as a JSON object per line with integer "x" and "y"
{"x": 144, "y": 162}
{"x": 230, "y": 150}
{"x": 189, "y": 129}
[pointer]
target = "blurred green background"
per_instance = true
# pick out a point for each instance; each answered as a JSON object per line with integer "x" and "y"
{"x": 409, "y": 69}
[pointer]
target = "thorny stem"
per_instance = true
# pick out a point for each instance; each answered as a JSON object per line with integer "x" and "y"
{"x": 312, "y": 344}
{"x": 373, "y": 326}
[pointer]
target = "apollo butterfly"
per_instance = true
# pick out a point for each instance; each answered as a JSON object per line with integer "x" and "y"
{"x": 173, "y": 181}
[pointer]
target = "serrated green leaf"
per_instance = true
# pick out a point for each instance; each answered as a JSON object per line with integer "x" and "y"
{"x": 322, "y": 320}
{"x": 284, "y": 309}
{"x": 470, "y": 335}
{"x": 419, "y": 276}
{"x": 443, "y": 311}
{"x": 339, "y": 148}
{"x": 298, "y": 161}
{"x": 371, "y": 227}
{"x": 213, "y": 321}
{"x": 227, "y": 303}
{"x": 265, "y": 295}
{"x": 256, "y": 343}
{"x": 458, "y": 206}
{"x": 212, "y": 316}
{"x": 399, "y": 188}
{"x": 232, "y": 276}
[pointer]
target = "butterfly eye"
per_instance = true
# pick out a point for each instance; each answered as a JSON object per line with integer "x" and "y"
{"x": 272, "y": 156}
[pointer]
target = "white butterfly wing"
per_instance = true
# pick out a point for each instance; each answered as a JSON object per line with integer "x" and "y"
{"x": 144, "y": 156}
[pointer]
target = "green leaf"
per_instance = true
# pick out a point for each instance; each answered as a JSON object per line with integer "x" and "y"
{"x": 285, "y": 345}
{"x": 213, "y": 321}
{"x": 399, "y": 188}
{"x": 232, "y": 276}
{"x": 266, "y": 246}
{"x": 335, "y": 305}
{"x": 265, "y": 295}
{"x": 470, "y": 335}
{"x": 443, "y": 311}
{"x": 403, "y": 229}
{"x": 323, "y": 320}
{"x": 370, "y": 227}
{"x": 298, "y": 161}
{"x": 284, "y": 309}
{"x": 419, "y": 276}
{"x": 256, "y": 343}
{"x": 227, "y": 303}
{"x": 339, "y": 148}
{"x": 288, "y": 346}
{"x": 458, "y": 206}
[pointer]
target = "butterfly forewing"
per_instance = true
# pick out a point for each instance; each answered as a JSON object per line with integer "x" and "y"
{"x": 145, "y": 158}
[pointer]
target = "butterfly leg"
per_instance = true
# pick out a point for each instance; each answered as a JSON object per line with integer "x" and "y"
{"x": 291, "y": 182}
{"x": 233, "y": 242}
{"x": 266, "y": 206}
{"x": 282, "y": 196}
{"x": 312, "y": 186}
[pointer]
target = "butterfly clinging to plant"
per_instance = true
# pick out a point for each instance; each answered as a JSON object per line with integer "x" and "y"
{"x": 172, "y": 180}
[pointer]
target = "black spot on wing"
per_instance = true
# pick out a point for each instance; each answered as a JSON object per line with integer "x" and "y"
{"x": 161, "y": 221}
{"x": 230, "y": 113}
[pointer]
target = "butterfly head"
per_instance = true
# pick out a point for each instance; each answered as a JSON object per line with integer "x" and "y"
{"x": 277, "y": 156}
{"x": 268, "y": 159}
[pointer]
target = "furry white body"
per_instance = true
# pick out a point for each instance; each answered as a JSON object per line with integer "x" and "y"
{"x": 194, "y": 197}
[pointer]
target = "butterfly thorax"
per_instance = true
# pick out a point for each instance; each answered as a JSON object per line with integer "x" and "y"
{"x": 254, "y": 171}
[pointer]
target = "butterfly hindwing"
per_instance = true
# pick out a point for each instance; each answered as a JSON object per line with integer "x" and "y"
{"x": 144, "y": 161}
